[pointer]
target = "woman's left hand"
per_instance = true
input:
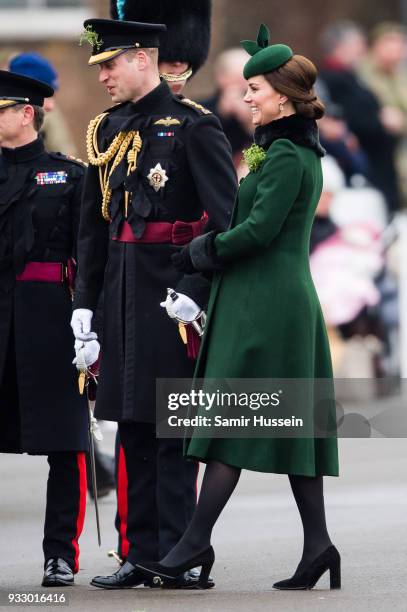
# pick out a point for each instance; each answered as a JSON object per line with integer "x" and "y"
{"x": 182, "y": 261}
{"x": 199, "y": 255}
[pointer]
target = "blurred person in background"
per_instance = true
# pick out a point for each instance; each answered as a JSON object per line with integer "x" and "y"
{"x": 227, "y": 101}
{"x": 344, "y": 45}
{"x": 55, "y": 132}
{"x": 337, "y": 139}
{"x": 384, "y": 71}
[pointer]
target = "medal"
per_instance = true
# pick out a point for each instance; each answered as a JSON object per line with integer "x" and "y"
{"x": 157, "y": 177}
{"x": 51, "y": 178}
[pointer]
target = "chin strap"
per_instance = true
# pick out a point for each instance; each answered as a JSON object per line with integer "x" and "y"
{"x": 177, "y": 78}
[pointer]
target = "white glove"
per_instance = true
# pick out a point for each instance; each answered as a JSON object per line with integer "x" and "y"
{"x": 87, "y": 353}
{"x": 182, "y": 308}
{"x": 81, "y": 325}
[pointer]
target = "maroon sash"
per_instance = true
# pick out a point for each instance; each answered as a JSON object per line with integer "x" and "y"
{"x": 157, "y": 232}
{"x": 43, "y": 271}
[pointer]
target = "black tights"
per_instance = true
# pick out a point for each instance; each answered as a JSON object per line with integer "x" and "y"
{"x": 218, "y": 484}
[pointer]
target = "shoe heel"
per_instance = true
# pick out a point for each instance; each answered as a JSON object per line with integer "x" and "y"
{"x": 335, "y": 575}
{"x": 204, "y": 575}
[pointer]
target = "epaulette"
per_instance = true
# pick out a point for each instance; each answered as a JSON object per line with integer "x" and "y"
{"x": 69, "y": 158}
{"x": 201, "y": 110}
{"x": 77, "y": 160}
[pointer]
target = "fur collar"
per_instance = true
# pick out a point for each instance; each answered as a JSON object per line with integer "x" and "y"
{"x": 300, "y": 130}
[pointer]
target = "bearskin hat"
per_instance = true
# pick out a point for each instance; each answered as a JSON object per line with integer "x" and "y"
{"x": 187, "y": 37}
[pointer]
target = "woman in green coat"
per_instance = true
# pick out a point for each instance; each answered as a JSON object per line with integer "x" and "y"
{"x": 264, "y": 317}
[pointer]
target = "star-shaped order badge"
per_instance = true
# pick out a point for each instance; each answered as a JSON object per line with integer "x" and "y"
{"x": 157, "y": 177}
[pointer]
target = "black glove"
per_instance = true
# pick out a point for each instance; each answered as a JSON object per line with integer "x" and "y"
{"x": 182, "y": 260}
{"x": 199, "y": 255}
{"x": 203, "y": 253}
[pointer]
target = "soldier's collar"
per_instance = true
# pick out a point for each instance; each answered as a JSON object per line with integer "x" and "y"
{"x": 25, "y": 153}
{"x": 152, "y": 99}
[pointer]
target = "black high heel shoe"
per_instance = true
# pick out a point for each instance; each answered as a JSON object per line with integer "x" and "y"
{"x": 166, "y": 574}
{"x": 329, "y": 559}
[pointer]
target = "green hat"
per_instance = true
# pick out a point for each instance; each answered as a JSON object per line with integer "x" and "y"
{"x": 264, "y": 58}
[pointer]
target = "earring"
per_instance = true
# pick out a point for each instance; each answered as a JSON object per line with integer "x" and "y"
{"x": 281, "y": 107}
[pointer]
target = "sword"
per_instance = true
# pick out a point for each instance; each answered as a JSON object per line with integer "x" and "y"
{"x": 83, "y": 381}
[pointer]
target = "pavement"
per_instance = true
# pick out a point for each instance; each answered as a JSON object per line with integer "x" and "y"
{"x": 257, "y": 540}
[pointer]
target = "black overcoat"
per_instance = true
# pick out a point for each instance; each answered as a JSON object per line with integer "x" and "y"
{"x": 140, "y": 342}
{"x": 40, "y": 408}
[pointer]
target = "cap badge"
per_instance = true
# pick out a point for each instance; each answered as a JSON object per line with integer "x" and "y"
{"x": 168, "y": 121}
{"x": 157, "y": 177}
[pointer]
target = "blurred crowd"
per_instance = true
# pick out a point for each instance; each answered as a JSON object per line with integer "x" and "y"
{"x": 363, "y": 84}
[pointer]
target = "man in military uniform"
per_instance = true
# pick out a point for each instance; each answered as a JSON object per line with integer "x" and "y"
{"x": 41, "y": 411}
{"x": 184, "y": 48}
{"x": 157, "y": 162}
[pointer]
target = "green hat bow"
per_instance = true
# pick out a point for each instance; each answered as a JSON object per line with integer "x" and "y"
{"x": 263, "y": 37}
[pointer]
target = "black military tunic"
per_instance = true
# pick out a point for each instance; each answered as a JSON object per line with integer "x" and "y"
{"x": 184, "y": 168}
{"x": 41, "y": 410}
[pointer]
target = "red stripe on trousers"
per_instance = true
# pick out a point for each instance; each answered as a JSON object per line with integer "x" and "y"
{"x": 81, "y": 462}
{"x": 122, "y": 484}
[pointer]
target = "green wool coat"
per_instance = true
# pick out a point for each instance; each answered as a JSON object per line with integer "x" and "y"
{"x": 264, "y": 317}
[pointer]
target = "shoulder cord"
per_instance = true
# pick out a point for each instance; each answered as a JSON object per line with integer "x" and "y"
{"x": 116, "y": 150}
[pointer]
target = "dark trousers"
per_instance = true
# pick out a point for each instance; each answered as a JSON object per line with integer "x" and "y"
{"x": 66, "y": 505}
{"x": 156, "y": 492}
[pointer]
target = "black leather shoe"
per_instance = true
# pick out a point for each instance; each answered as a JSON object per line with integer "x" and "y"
{"x": 172, "y": 574}
{"x": 188, "y": 580}
{"x": 126, "y": 577}
{"x": 57, "y": 573}
{"x": 328, "y": 559}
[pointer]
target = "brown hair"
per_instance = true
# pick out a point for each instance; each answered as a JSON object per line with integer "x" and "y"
{"x": 152, "y": 53}
{"x": 295, "y": 79}
{"x": 39, "y": 115}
